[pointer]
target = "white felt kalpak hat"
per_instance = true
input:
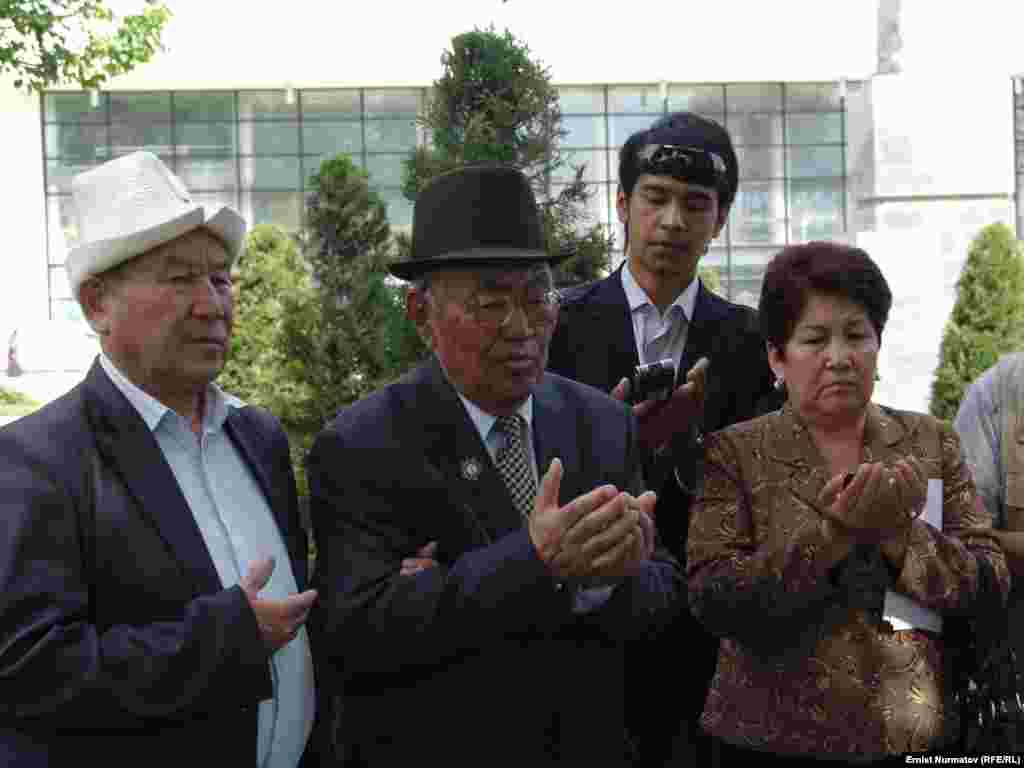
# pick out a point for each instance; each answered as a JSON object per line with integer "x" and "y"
{"x": 133, "y": 204}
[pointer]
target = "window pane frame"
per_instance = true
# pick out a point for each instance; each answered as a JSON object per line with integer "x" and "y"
{"x": 269, "y": 137}
{"x": 261, "y": 142}
{"x": 314, "y": 133}
{"x": 320, "y": 105}
{"x": 801, "y": 219}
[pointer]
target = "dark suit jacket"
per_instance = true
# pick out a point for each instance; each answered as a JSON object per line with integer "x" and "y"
{"x": 480, "y": 660}
{"x": 117, "y": 641}
{"x": 594, "y": 343}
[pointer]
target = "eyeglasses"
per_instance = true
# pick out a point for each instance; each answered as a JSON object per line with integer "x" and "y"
{"x": 690, "y": 164}
{"x": 493, "y": 311}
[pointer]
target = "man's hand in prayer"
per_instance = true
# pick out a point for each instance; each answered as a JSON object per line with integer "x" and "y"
{"x": 598, "y": 538}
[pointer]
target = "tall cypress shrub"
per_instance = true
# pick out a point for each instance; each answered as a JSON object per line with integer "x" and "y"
{"x": 494, "y": 103}
{"x": 987, "y": 319}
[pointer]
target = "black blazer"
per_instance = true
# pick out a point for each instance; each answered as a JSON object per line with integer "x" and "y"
{"x": 594, "y": 343}
{"x": 480, "y": 660}
{"x": 117, "y": 641}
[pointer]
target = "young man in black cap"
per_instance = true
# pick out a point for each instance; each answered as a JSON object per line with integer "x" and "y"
{"x": 504, "y": 643}
{"x": 677, "y": 181}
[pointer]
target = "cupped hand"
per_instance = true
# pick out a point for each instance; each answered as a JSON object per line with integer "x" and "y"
{"x": 279, "y": 620}
{"x": 880, "y": 501}
{"x": 549, "y": 522}
{"x": 600, "y": 537}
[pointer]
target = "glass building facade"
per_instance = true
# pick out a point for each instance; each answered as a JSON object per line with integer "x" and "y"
{"x": 257, "y": 151}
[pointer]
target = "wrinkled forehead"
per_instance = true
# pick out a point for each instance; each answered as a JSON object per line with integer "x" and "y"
{"x": 196, "y": 250}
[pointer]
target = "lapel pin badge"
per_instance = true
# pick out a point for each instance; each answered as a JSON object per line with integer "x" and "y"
{"x": 470, "y": 468}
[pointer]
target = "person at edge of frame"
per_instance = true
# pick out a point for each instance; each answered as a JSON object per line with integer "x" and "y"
{"x": 152, "y": 558}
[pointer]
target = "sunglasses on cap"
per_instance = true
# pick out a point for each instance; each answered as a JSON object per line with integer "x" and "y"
{"x": 689, "y": 164}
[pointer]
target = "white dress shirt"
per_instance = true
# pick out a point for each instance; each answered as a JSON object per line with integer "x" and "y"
{"x": 659, "y": 335}
{"x": 237, "y": 527}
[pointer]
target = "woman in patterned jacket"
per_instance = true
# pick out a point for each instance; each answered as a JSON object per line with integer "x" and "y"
{"x": 831, "y": 539}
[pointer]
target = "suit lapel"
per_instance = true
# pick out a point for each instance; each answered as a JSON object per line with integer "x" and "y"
{"x": 127, "y": 444}
{"x": 883, "y": 436}
{"x": 554, "y": 435}
{"x": 707, "y": 315}
{"x": 608, "y": 324}
{"x": 246, "y": 437}
{"x": 455, "y": 455}
{"x": 240, "y": 431}
{"x": 795, "y": 457}
{"x": 791, "y": 448}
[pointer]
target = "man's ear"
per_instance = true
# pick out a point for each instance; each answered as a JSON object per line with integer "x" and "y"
{"x": 93, "y": 298}
{"x": 417, "y": 309}
{"x": 622, "y": 205}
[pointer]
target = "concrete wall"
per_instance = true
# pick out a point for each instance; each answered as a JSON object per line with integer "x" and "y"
{"x": 935, "y": 166}
{"x": 23, "y": 290}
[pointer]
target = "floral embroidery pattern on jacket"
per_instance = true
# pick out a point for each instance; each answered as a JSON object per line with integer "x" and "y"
{"x": 807, "y": 665}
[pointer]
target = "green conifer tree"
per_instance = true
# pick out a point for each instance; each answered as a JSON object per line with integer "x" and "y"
{"x": 352, "y": 337}
{"x": 270, "y": 278}
{"x": 987, "y": 319}
{"x": 494, "y": 103}
{"x": 271, "y": 268}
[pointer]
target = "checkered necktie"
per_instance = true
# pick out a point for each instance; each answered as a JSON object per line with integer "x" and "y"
{"x": 514, "y": 464}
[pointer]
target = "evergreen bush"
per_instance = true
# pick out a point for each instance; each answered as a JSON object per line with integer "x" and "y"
{"x": 494, "y": 103}
{"x": 270, "y": 278}
{"x": 987, "y": 319}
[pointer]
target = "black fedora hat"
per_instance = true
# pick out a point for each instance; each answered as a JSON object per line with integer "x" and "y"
{"x": 477, "y": 215}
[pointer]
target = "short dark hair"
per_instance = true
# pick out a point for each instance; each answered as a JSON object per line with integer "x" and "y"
{"x": 819, "y": 267}
{"x": 687, "y": 129}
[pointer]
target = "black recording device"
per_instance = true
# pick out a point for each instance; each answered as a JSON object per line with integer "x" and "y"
{"x": 653, "y": 381}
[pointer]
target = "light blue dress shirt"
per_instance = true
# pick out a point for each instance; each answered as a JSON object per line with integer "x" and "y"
{"x": 238, "y": 527}
{"x": 659, "y": 335}
{"x": 585, "y": 600}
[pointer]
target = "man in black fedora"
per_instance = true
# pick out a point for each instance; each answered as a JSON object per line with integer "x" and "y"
{"x": 677, "y": 182}
{"x": 520, "y": 489}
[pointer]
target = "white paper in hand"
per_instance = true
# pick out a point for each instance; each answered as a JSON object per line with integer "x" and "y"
{"x": 933, "y": 505}
{"x": 904, "y": 612}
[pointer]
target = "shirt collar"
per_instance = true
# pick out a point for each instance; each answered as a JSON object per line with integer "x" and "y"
{"x": 484, "y": 421}
{"x": 153, "y": 411}
{"x": 638, "y": 299}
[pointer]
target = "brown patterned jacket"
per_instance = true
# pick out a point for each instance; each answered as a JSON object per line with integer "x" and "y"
{"x": 807, "y": 664}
